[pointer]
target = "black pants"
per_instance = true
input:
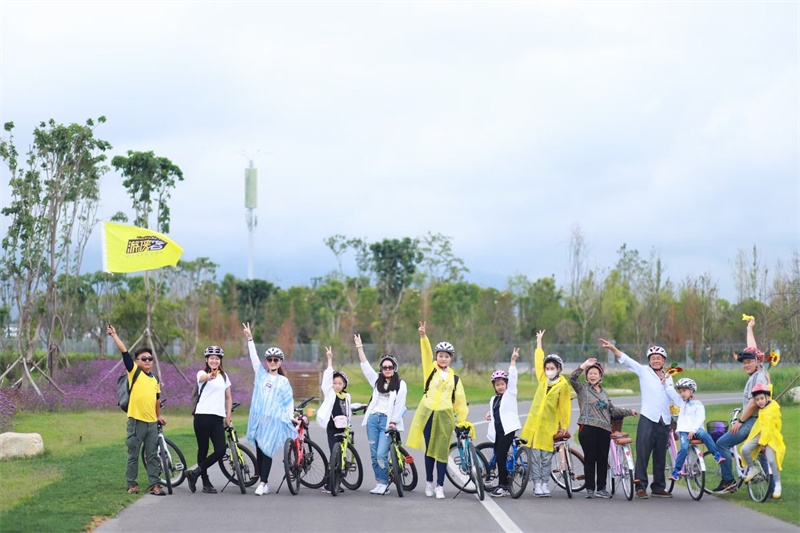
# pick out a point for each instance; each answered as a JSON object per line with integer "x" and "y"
{"x": 264, "y": 464}
{"x": 502, "y": 445}
{"x": 595, "y": 442}
{"x": 441, "y": 468}
{"x": 209, "y": 427}
{"x": 651, "y": 438}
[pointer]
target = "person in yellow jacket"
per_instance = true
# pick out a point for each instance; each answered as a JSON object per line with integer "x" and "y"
{"x": 434, "y": 422}
{"x": 765, "y": 436}
{"x": 549, "y": 414}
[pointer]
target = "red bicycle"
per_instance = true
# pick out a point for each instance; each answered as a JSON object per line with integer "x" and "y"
{"x": 303, "y": 460}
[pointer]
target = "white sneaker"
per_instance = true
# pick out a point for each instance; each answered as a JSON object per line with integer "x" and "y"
{"x": 777, "y": 492}
{"x": 380, "y": 488}
{"x": 750, "y": 473}
{"x": 261, "y": 489}
{"x": 440, "y": 493}
{"x": 546, "y": 490}
{"x": 537, "y": 490}
{"x": 428, "y": 489}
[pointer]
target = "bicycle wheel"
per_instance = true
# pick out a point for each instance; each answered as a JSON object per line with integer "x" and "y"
{"x": 626, "y": 478}
{"x": 457, "y": 471}
{"x": 395, "y": 472}
{"x": 314, "y": 465}
{"x": 335, "y": 476}
{"x": 476, "y": 470}
{"x": 518, "y": 478}
{"x": 758, "y": 487}
{"x": 695, "y": 476}
{"x": 291, "y": 466}
{"x": 162, "y": 453}
{"x": 353, "y": 473}
{"x": 176, "y": 468}
{"x": 249, "y": 470}
{"x": 713, "y": 472}
{"x": 669, "y": 466}
{"x": 492, "y": 476}
{"x": 575, "y": 473}
{"x": 409, "y": 470}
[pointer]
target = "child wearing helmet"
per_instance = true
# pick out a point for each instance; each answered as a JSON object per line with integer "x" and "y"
{"x": 503, "y": 420}
{"x": 334, "y": 413}
{"x": 213, "y": 407}
{"x": 691, "y": 419}
{"x": 594, "y": 423}
{"x": 443, "y": 403}
{"x": 549, "y": 415}
{"x": 765, "y": 436}
{"x": 385, "y": 411}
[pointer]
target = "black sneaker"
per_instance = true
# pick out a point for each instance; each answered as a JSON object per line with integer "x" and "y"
{"x": 725, "y": 486}
{"x": 191, "y": 479}
{"x": 208, "y": 488}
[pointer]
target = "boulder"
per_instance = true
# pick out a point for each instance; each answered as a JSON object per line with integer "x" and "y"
{"x": 20, "y": 445}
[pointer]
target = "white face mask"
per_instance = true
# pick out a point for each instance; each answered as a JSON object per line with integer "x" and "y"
{"x": 551, "y": 373}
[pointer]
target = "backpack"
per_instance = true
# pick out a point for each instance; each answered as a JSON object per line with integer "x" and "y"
{"x": 124, "y": 391}
{"x": 197, "y": 391}
{"x": 455, "y": 385}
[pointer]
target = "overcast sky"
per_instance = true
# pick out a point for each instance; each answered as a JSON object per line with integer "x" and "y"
{"x": 667, "y": 125}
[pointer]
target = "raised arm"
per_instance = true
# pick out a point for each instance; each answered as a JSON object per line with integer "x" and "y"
{"x": 327, "y": 376}
{"x": 126, "y": 357}
{"x": 513, "y": 376}
{"x": 538, "y": 358}
{"x": 251, "y": 348}
{"x": 621, "y": 357}
{"x": 360, "y": 347}
{"x": 751, "y": 338}
{"x": 426, "y": 351}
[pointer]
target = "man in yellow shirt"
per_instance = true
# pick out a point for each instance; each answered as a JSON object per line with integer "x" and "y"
{"x": 144, "y": 411}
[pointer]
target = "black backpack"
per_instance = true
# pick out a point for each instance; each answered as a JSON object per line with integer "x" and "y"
{"x": 455, "y": 385}
{"x": 197, "y": 391}
{"x": 124, "y": 391}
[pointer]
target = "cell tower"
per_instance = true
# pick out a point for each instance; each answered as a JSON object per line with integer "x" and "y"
{"x": 250, "y": 202}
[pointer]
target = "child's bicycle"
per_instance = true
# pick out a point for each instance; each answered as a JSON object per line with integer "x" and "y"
{"x": 239, "y": 463}
{"x": 465, "y": 467}
{"x": 693, "y": 469}
{"x": 402, "y": 470}
{"x": 303, "y": 460}
{"x": 567, "y": 469}
{"x": 170, "y": 460}
{"x": 759, "y": 487}
{"x": 517, "y": 464}
{"x": 620, "y": 464}
{"x": 345, "y": 467}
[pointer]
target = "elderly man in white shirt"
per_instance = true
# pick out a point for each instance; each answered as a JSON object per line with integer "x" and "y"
{"x": 653, "y": 428}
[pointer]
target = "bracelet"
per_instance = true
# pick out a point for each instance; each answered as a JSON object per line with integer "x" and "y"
{"x": 359, "y": 345}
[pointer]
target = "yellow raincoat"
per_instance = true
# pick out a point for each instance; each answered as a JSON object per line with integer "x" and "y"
{"x": 548, "y": 410}
{"x": 438, "y": 403}
{"x": 769, "y": 425}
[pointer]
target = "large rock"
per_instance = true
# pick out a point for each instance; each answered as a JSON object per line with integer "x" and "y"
{"x": 19, "y": 445}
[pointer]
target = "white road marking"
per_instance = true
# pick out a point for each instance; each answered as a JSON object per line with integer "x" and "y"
{"x": 500, "y": 516}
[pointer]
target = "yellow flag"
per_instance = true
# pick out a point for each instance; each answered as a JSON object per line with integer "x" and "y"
{"x": 132, "y": 249}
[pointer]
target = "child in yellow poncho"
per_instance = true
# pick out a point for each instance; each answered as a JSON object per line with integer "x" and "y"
{"x": 765, "y": 436}
{"x": 549, "y": 414}
{"x": 434, "y": 421}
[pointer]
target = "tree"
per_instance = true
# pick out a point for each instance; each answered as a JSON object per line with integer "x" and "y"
{"x": 584, "y": 291}
{"x": 191, "y": 284}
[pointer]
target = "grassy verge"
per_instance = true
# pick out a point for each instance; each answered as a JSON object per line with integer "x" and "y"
{"x": 788, "y": 507}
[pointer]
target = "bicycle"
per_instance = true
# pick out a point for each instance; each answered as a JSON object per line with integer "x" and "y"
{"x": 517, "y": 465}
{"x": 166, "y": 450}
{"x": 566, "y": 471}
{"x": 402, "y": 470}
{"x": 620, "y": 464}
{"x": 239, "y": 463}
{"x": 303, "y": 460}
{"x": 345, "y": 467}
{"x": 465, "y": 467}
{"x": 693, "y": 469}
{"x": 758, "y": 488}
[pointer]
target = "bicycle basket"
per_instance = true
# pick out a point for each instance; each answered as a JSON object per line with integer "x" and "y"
{"x": 616, "y": 425}
{"x": 716, "y": 428}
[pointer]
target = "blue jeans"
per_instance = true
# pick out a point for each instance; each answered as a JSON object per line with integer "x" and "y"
{"x": 725, "y": 443}
{"x": 684, "y": 451}
{"x": 379, "y": 443}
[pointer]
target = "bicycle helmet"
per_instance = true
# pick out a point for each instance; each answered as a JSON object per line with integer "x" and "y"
{"x": 444, "y": 346}
{"x": 553, "y": 358}
{"x": 760, "y": 388}
{"x": 214, "y": 350}
{"x": 391, "y": 358}
{"x": 751, "y": 352}
{"x": 686, "y": 383}
{"x": 499, "y": 374}
{"x": 342, "y": 375}
{"x": 274, "y": 352}
{"x": 599, "y": 367}
{"x": 653, "y": 350}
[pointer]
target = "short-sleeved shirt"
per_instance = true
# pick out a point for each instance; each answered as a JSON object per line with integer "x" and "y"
{"x": 142, "y": 403}
{"x": 212, "y": 400}
{"x": 758, "y": 376}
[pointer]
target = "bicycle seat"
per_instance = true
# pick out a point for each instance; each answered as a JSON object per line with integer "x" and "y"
{"x": 564, "y": 435}
{"x": 623, "y": 440}
{"x": 519, "y": 441}
{"x": 618, "y": 435}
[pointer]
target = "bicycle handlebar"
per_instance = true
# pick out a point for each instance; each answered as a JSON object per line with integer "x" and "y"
{"x": 304, "y": 403}
{"x": 234, "y": 406}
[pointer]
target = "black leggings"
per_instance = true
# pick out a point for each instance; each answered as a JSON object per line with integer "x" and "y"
{"x": 264, "y": 464}
{"x": 595, "y": 442}
{"x": 502, "y": 445}
{"x": 209, "y": 427}
{"x": 441, "y": 468}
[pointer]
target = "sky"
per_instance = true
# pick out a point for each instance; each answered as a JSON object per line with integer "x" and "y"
{"x": 666, "y": 126}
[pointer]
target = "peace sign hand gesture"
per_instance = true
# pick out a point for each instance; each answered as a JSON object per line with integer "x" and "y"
{"x": 329, "y": 353}
{"x": 422, "y": 328}
{"x": 247, "y": 332}
{"x": 515, "y": 355}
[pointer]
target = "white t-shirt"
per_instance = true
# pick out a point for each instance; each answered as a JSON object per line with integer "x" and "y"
{"x": 382, "y": 404}
{"x": 212, "y": 400}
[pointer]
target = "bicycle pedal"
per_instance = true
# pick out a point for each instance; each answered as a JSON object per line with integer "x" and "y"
{"x": 179, "y": 467}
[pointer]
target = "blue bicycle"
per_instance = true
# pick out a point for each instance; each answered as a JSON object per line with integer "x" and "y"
{"x": 466, "y": 468}
{"x": 519, "y": 457}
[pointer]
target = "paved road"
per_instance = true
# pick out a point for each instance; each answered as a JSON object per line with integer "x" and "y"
{"x": 359, "y": 511}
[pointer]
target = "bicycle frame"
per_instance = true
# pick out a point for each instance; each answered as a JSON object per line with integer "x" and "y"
{"x": 673, "y": 450}
{"x": 616, "y": 463}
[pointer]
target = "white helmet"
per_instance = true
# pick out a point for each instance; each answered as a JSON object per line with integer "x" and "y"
{"x": 686, "y": 383}
{"x": 274, "y": 352}
{"x": 445, "y": 346}
{"x": 656, "y": 350}
{"x": 553, "y": 358}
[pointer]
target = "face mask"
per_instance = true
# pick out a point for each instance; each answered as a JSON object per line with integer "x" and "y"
{"x": 551, "y": 373}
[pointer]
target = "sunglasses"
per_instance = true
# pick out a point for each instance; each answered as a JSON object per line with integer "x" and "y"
{"x": 387, "y": 368}
{"x": 273, "y": 359}
{"x": 145, "y": 359}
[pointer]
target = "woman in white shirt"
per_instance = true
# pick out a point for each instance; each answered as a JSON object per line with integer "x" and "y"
{"x": 213, "y": 407}
{"x": 385, "y": 411}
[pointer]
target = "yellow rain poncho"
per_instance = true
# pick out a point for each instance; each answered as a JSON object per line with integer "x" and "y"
{"x": 769, "y": 424}
{"x": 548, "y": 410}
{"x": 438, "y": 403}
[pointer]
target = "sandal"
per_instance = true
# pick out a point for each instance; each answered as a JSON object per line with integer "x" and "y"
{"x": 133, "y": 489}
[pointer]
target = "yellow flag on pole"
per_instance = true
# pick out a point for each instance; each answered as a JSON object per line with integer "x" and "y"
{"x": 132, "y": 249}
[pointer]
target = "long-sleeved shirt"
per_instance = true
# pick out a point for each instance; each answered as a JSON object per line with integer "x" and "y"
{"x": 655, "y": 402}
{"x": 692, "y": 415}
{"x": 594, "y": 406}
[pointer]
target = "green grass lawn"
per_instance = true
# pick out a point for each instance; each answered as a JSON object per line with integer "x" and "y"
{"x": 788, "y": 507}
